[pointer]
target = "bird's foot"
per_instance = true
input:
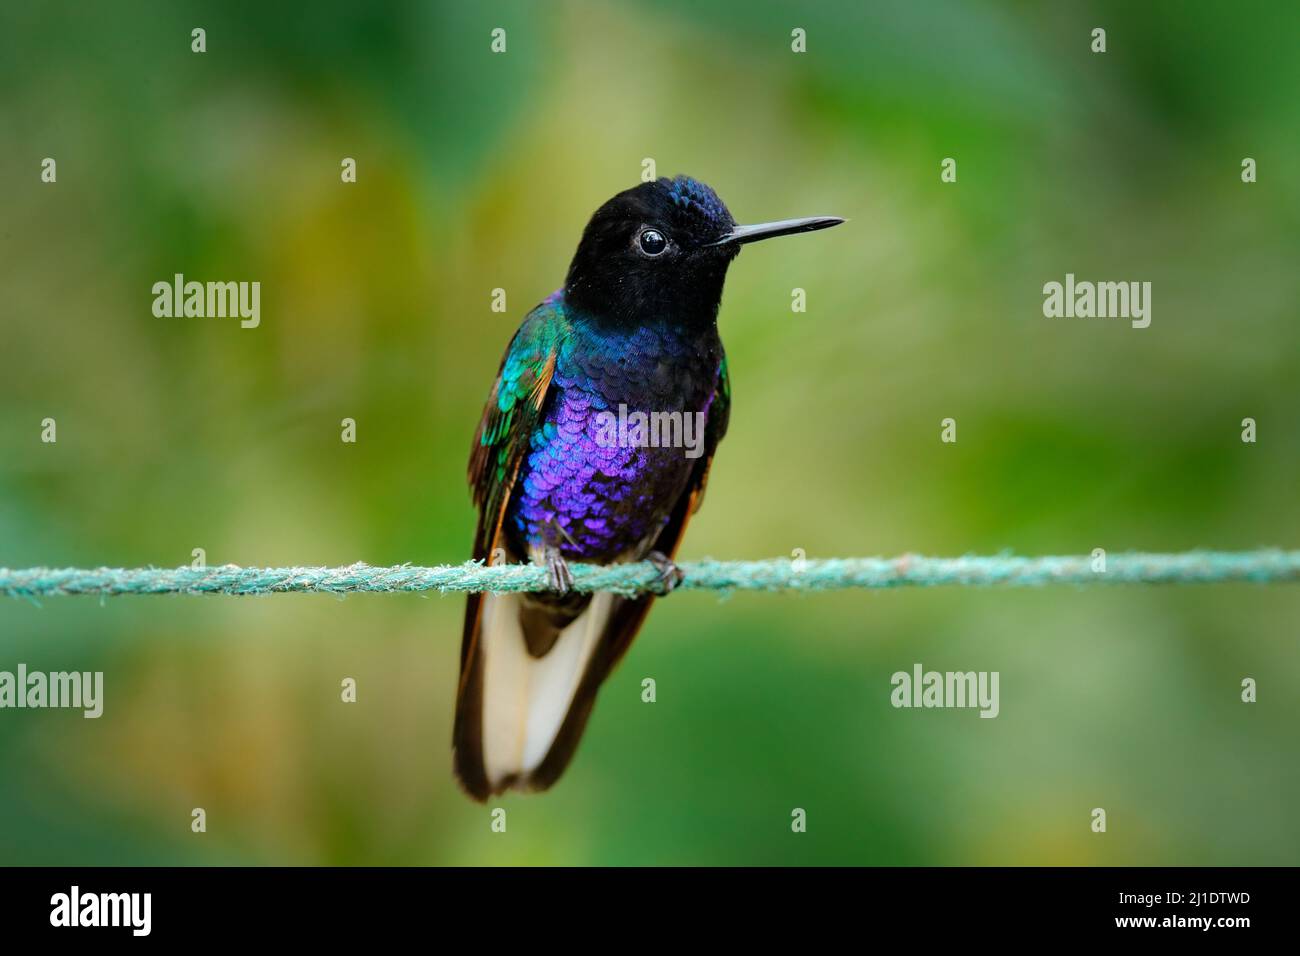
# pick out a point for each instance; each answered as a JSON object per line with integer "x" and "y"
{"x": 670, "y": 575}
{"x": 558, "y": 577}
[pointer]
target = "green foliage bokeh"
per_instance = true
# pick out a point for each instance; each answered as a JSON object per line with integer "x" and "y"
{"x": 477, "y": 171}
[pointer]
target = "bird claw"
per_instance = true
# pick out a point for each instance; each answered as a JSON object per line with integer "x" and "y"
{"x": 670, "y": 575}
{"x": 558, "y": 577}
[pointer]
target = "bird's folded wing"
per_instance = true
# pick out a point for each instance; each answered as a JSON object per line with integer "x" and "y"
{"x": 513, "y": 409}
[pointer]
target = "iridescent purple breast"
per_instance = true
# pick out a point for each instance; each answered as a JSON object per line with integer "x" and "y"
{"x": 594, "y": 485}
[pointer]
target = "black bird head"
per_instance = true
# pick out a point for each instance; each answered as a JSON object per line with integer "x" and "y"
{"x": 662, "y": 249}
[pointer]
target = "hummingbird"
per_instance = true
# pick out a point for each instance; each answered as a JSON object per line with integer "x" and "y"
{"x": 633, "y": 330}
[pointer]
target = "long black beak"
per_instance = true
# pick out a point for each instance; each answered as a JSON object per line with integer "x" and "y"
{"x": 782, "y": 227}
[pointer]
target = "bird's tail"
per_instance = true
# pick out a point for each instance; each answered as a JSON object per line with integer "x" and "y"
{"x": 530, "y": 669}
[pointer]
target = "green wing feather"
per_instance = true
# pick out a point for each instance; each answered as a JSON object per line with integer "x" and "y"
{"x": 513, "y": 409}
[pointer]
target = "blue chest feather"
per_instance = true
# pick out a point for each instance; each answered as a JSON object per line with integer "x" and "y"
{"x": 593, "y": 483}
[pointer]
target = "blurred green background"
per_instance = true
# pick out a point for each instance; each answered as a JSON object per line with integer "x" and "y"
{"x": 478, "y": 171}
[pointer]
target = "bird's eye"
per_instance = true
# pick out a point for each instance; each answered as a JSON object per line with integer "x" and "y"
{"x": 652, "y": 242}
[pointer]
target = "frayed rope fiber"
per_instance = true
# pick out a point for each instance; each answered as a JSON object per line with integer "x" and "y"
{"x": 779, "y": 574}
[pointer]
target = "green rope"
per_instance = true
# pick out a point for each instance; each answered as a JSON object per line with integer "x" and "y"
{"x": 781, "y": 574}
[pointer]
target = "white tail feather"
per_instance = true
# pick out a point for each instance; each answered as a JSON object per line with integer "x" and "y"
{"x": 526, "y": 698}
